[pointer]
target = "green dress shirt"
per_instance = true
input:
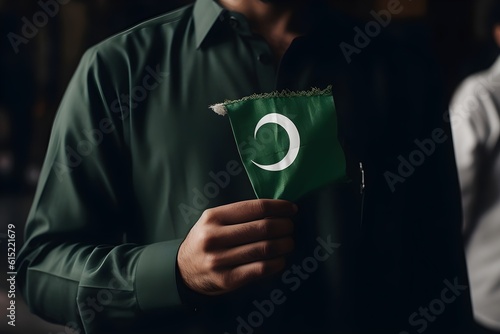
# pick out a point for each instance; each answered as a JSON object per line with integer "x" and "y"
{"x": 136, "y": 156}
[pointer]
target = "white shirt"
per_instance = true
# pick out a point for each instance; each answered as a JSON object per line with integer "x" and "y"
{"x": 475, "y": 119}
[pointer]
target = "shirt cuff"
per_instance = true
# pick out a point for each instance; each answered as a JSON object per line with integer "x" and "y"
{"x": 194, "y": 301}
{"x": 156, "y": 277}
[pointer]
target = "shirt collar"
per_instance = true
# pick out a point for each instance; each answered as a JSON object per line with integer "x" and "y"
{"x": 205, "y": 13}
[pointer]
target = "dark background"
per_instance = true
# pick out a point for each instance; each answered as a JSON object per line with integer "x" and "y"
{"x": 33, "y": 80}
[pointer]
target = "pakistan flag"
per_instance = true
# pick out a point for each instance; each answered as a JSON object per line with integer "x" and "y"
{"x": 288, "y": 141}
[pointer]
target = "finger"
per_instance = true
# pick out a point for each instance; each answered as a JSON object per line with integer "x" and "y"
{"x": 250, "y": 272}
{"x": 252, "y": 210}
{"x": 260, "y": 230}
{"x": 255, "y": 252}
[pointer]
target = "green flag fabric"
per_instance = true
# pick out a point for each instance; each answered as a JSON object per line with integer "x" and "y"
{"x": 288, "y": 141}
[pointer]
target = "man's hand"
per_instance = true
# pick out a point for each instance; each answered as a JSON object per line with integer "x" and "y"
{"x": 236, "y": 244}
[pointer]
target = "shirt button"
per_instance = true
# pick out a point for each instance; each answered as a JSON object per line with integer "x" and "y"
{"x": 265, "y": 59}
{"x": 233, "y": 22}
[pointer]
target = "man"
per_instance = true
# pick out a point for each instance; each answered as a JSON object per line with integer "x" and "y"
{"x": 476, "y": 126}
{"x": 144, "y": 219}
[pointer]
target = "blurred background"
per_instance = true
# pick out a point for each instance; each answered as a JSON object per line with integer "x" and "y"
{"x": 34, "y": 77}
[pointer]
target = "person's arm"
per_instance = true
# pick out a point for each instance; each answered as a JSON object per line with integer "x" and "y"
{"x": 74, "y": 268}
{"x": 472, "y": 112}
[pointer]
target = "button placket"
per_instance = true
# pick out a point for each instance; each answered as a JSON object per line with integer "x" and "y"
{"x": 233, "y": 22}
{"x": 265, "y": 59}
{"x": 264, "y": 65}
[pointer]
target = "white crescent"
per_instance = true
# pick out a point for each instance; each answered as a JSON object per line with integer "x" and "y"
{"x": 293, "y": 134}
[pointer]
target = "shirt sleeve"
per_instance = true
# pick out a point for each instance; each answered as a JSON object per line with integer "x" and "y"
{"x": 75, "y": 268}
{"x": 474, "y": 117}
